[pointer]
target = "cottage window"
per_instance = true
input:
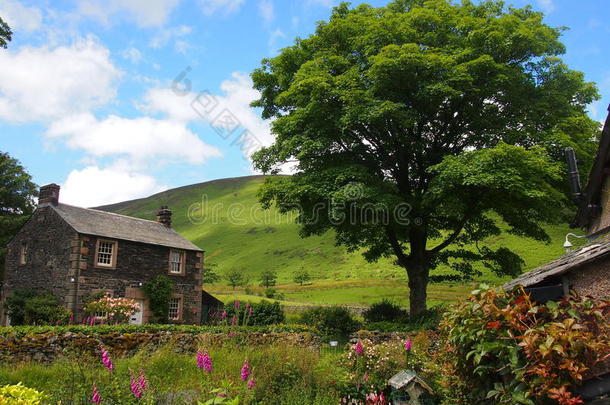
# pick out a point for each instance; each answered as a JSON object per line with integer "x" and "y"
{"x": 176, "y": 262}
{"x": 175, "y": 309}
{"x": 106, "y": 253}
{"x": 23, "y": 254}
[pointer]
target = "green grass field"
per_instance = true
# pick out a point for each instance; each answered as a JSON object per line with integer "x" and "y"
{"x": 224, "y": 218}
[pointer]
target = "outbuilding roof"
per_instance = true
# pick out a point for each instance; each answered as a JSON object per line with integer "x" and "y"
{"x": 569, "y": 261}
{"x": 109, "y": 225}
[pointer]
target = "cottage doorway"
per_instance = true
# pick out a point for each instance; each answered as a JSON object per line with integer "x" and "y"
{"x": 136, "y": 318}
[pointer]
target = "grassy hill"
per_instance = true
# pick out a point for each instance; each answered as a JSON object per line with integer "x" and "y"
{"x": 224, "y": 218}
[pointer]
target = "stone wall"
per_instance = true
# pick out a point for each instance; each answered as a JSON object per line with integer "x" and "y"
{"x": 592, "y": 279}
{"x": 48, "y": 239}
{"x": 46, "y": 347}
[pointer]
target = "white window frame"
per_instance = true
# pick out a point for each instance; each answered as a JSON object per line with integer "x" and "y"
{"x": 113, "y": 253}
{"x": 178, "y": 309}
{"x": 23, "y": 254}
{"x": 180, "y": 264}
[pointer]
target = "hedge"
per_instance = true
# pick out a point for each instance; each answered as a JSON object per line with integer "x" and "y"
{"x": 22, "y": 331}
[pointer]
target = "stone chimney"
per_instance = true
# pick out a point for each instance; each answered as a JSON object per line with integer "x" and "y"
{"x": 49, "y": 194}
{"x": 164, "y": 216}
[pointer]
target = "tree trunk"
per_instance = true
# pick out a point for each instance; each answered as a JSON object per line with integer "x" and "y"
{"x": 418, "y": 287}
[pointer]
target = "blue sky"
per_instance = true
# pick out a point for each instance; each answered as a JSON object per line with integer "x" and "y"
{"x": 119, "y": 99}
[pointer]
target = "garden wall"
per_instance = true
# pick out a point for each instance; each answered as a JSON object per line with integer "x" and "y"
{"x": 47, "y": 344}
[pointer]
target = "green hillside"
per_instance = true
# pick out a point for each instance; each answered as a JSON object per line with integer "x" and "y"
{"x": 237, "y": 234}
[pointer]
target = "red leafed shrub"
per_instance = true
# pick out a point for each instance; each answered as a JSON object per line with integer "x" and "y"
{"x": 508, "y": 349}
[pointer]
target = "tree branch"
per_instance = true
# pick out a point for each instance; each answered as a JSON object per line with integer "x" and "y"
{"x": 451, "y": 237}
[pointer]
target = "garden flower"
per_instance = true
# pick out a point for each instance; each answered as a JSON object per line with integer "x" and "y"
{"x": 223, "y": 315}
{"x": 251, "y": 383}
{"x": 359, "y": 349}
{"x": 408, "y": 344}
{"x": 250, "y": 311}
{"x": 106, "y": 358}
{"x": 135, "y": 388}
{"x": 204, "y": 361}
{"x": 233, "y": 320}
{"x": 142, "y": 380}
{"x": 236, "y": 305}
{"x": 245, "y": 371}
{"x": 95, "y": 397}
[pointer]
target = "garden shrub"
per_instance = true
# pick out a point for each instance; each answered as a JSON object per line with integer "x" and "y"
{"x": 384, "y": 311}
{"x": 29, "y": 307}
{"x": 117, "y": 310}
{"x": 256, "y": 314}
{"x": 20, "y": 395}
{"x": 333, "y": 322}
{"x": 428, "y": 320}
{"x": 505, "y": 348}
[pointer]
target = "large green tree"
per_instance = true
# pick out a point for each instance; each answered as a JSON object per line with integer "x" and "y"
{"x": 421, "y": 128}
{"x": 17, "y": 194}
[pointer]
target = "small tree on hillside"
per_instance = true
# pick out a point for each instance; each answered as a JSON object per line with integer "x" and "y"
{"x": 268, "y": 278}
{"x": 301, "y": 276}
{"x": 209, "y": 276}
{"x": 235, "y": 278}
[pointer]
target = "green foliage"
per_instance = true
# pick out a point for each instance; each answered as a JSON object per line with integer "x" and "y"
{"x": 301, "y": 276}
{"x": 333, "y": 322}
{"x": 17, "y": 192}
{"x": 268, "y": 278}
{"x": 384, "y": 311}
{"x": 409, "y": 120}
{"x": 263, "y": 313}
{"x": 5, "y": 33}
{"x": 20, "y": 395}
{"x": 235, "y": 278}
{"x": 506, "y": 348}
{"x": 159, "y": 291}
{"x": 30, "y": 307}
{"x": 209, "y": 275}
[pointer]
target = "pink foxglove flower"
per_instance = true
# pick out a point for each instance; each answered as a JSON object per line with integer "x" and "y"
{"x": 251, "y": 383}
{"x": 135, "y": 388}
{"x": 95, "y": 396}
{"x": 359, "y": 349}
{"x": 236, "y": 305}
{"x": 245, "y": 371}
{"x": 142, "y": 380}
{"x": 106, "y": 359}
{"x": 233, "y": 320}
{"x": 199, "y": 359}
{"x": 223, "y": 315}
{"x": 408, "y": 344}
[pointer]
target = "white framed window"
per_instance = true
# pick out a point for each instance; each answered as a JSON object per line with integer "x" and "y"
{"x": 23, "y": 254}
{"x": 176, "y": 262}
{"x": 106, "y": 253}
{"x": 175, "y": 309}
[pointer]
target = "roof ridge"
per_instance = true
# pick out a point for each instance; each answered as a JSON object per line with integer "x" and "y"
{"x": 112, "y": 213}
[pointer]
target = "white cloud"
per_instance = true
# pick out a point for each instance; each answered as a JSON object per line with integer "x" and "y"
{"x": 143, "y": 140}
{"x": 182, "y": 46}
{"x": 274, "y": 36}
{"x": 546, "y": 5}
{"x": 265, "y": 9}
{"x": 94, "y": 186}
{"x": 146, "y": 13}
{"x": 237, "y": 95}
{"x": 39, "y": 84}
{"x": 167, "y": 34}
{"x": 132, "y": 54}
{"x": 210, "y": 7}
{"x": 20, "y": 17}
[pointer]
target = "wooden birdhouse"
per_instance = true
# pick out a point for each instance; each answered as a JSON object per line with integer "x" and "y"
{"x": 409, "y": 389}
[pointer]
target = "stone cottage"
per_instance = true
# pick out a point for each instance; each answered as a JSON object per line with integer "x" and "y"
{"x": 75, "y": 252}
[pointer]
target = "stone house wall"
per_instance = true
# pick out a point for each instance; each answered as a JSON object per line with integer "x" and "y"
{"x": 136, "y": 264}
{"x": 592, "y": 279}
{"x": 49, "y": 240}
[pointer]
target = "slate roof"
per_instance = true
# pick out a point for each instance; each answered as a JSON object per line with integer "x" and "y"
{"x": 100, "y": 223}
{"x": 564, "y": 264}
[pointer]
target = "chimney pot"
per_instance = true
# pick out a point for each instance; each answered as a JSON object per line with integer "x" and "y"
{"x": 49, "y": 194}
{"x": 164, "y": 216}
